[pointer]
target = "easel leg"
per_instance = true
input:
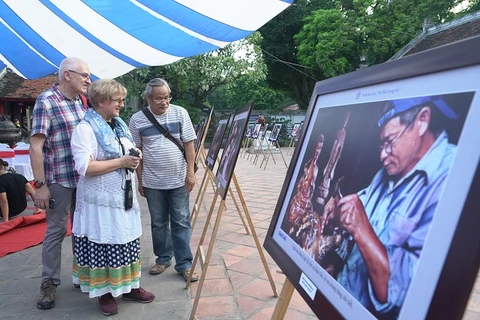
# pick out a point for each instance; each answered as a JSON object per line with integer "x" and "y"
{"x": 207, "y": 259}
{"x": 195, "y": 206}
{"x": 202, "y": 238}
{"x": 238, "y": 210}
{"x": 278, "y": 146}
{"x": 255, "y": 237}
{"x": 283, "y": 301}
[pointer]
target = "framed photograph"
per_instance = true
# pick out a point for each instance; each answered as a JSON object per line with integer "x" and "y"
{"x": 256, "y": 131}
{"x": 216, "y": 143}
{"x": 199, "y": 129}
{"x": 299, "y": 131}
{"x": 202, "y": 131}
{"x": 295, "y": 129}
{"x": 250, "y": 130}
{"x": 380, "y": 199}
{"x": 232, "y": 148}
{"x": 275, "y": 132}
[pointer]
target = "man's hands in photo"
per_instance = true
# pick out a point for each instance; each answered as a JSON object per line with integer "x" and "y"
{"x": 352, "y": 215}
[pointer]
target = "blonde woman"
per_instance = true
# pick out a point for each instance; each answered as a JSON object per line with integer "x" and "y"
{"x": 106, "y": 227}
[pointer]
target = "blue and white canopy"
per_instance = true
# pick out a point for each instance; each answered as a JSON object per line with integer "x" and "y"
{"x": 116, "y": 36}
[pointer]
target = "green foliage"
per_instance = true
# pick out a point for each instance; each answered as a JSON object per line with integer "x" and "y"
{"x": 136, "y": 80}
{"x": 247, "y": 89}
{"x": 330, "y": 37}
{"x": 126, "y": 113}
{"x": 195, "y": 78}
{"x": 334, "y": 40}
{"x": 390, "y": 26}
{"x": 280, "y": 51}
{"x": 329, "y": 42}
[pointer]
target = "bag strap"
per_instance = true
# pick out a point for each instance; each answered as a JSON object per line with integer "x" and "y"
{"x": 162, "y": 130}
{"x": 84, "y": 101}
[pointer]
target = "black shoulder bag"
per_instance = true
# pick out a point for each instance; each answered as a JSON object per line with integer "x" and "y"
{"x": 167, "y": 134}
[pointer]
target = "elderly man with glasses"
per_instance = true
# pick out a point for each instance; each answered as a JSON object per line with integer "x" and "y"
{"x": 386, "y": 223}
{"x": 166, "y": 176}
{"x": 56, "y": 113}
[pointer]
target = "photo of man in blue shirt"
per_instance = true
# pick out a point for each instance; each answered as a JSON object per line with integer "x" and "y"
{"x": 387, "y": 222}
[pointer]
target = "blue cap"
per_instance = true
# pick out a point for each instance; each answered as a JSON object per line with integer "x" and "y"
{"x": 402, "y": 105}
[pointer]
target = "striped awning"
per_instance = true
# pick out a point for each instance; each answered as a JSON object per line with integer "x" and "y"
{"x": 116, "y": 36}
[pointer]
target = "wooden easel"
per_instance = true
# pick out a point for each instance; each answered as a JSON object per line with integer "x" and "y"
{"x": 245, "y": 146}
{"x": 254, "y": 148}
{"x": 205, "y": 260}
{"x": 291, "y": 145}
{"x": 268, "y": 155}
{"x": 201, "y": 193}
{"x": 283, "y": 301}
{"x": 255, "y": 160}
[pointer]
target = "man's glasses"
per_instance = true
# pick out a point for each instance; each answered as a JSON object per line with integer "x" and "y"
{"x": 119, "y": 101}
{"x": 85, "y": 76}
{"x": 388, "y": 145}
{"x": 160, "y": 99}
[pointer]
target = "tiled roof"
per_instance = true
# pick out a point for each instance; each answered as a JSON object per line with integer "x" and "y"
{"x": 13, "y": 86}
{"x": 455, "y": 30}
{"x": 292, "y": 107}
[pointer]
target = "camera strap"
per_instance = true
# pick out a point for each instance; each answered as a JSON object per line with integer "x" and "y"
{"x": 162, "y": 130}
{"x": 112, "y": 125}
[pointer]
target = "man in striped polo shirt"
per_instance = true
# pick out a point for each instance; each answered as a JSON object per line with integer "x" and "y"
{"x": 56, "y": 113}
{"x": 166, "y": 177}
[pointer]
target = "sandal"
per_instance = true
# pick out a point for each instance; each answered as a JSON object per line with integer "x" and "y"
{"x": 159, "y": 268}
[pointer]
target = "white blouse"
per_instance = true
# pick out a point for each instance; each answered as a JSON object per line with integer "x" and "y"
{"x": 100, "y": 214}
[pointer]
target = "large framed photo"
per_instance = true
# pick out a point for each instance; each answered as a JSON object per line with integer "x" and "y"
{"x": 380, "y": 198}
{"x": 214, "y": 148}
{"x": 232, "y": 148}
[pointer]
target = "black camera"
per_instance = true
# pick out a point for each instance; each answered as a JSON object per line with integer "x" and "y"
{"x": 133, "y": 152}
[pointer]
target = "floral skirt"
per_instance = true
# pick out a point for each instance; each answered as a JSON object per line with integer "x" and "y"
{"x": 106, "y": 268}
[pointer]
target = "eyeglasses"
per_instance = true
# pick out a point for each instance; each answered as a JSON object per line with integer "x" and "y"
{"x": 388, "y": 145}
{"x": 160, "y": 99}
{"x": 119, "y": 101}
{"x": 85, "y": 76}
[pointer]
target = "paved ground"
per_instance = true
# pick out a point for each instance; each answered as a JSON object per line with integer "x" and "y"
{"x": 236, "y": 286}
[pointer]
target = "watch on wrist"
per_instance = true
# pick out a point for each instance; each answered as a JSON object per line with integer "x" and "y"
{"x": 38, "y": 184}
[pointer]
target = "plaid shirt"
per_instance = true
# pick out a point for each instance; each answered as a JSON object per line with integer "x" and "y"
{"x": 55, "y": 116}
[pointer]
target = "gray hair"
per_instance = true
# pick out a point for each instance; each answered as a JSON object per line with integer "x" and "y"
{"x": 70, "y": 63}
{"x": 157, "y": 82}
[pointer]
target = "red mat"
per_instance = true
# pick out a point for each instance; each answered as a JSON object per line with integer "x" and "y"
{"x": 23, "y": 232}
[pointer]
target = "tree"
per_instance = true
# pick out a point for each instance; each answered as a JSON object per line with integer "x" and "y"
{"x": 387, "y": 26}
{"x": 329, "y": 42}
{"x": 334, "y": 40}
{"x": 280, "y": 52}
{"x": 194, "y": 79}
{"x": 247, "y": 89}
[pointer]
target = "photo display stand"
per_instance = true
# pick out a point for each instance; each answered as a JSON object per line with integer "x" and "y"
{"x": 223, "y": 177}
{"x": 293, "y": 137}
{"x": 210, "y": 160}
{"x": 255, "y": 141}
{"x": 200, "y": 155}
{"x": 378, "y": 214}
{"x": 273, "y": 141}
{"x": 248, "y": 141}
{"x": 259, "y": 149}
